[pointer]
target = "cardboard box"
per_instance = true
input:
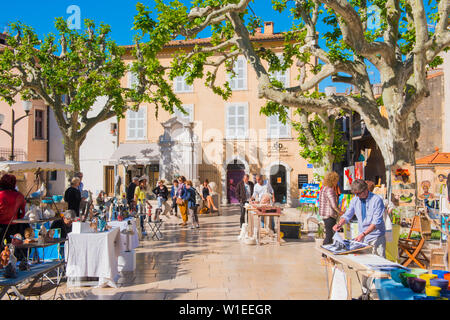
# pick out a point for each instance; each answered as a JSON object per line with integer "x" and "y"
{"x": 81, "y": 227}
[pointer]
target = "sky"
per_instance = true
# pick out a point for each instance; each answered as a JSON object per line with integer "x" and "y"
{"x": 119, "y": 14}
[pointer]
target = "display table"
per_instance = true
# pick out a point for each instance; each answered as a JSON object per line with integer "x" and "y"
{"x": 364, "y": 264}
{"x": 94, "y": 255}
{"x": 254, "y": 214}
{"x": 35, "y": 273}
{"x": 122, "y": 225}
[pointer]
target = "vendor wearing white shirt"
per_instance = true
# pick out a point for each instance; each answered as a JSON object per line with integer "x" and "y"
{"x": 260, "y": 189}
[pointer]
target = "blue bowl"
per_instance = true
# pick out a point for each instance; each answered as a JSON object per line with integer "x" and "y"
{"x": 57, "y": 198}
{"x": 440, "y": 273}
{"x": 395, "y": 274}
{"x": 441, "y": 283}
{"x": 47, "y": 201}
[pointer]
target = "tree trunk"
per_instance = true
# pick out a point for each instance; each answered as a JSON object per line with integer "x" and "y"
{"x": 72, "y": 155}
{"x": 321, "y": 168}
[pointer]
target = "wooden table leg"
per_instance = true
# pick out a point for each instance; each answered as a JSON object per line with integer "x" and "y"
{"x": 278, "y": 231}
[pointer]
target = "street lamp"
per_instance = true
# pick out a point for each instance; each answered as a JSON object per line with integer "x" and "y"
{"x": 26, "y": 105}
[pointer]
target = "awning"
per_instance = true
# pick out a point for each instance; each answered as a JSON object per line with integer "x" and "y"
{"x": 136, "y": 153}
{"x": 29, "y": 166}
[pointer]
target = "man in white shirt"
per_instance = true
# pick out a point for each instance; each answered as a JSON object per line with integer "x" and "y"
{"x": 261, "y": 189}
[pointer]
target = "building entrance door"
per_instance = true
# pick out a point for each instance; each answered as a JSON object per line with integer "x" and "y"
{"x": 278, "y": 183}
{"x": 235, "y": 173}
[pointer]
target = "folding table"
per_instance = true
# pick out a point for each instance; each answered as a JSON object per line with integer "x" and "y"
{"x": 36, "y": 273}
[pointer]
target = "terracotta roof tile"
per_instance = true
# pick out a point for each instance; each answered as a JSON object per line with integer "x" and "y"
{"x": 204, "y": 41}
{"x": 435, "y": 158}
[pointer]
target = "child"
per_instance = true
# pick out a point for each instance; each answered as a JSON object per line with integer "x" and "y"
{"x": 190, "y": 197}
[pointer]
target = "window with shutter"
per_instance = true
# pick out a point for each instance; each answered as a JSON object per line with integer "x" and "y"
{"x": 180, "y": 85}
{"x": 281, "y": 76}
{"x": 137, "y": 124}
{"x": 237, "y": 121}
{"x": 239, "y": 80}
{"x": 132, "y": 80}
{"x": 276, "y": 129}
{"x": 189, "y": 109}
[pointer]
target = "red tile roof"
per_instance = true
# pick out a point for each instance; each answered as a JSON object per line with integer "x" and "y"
{"x": 206, "y": 41}
{"x": 435, "y": 158}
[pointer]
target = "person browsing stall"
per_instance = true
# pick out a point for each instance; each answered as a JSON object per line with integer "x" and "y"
{"x": 12, "y": 206}
{"x": 369, "y": 209}
{"x": 162, "y": 194}
{"x": 130, "y": 191}
{"x": 73, "y": 196}
{"x": 140, "y": 198}
{"x": 190, "y": 197}
{"x": 244, "y": 191}
{"x": 260, "y": 189}
{"x": 64, "y": 224}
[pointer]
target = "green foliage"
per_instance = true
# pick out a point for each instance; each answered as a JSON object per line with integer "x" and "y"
{"x": 315, "y": 151}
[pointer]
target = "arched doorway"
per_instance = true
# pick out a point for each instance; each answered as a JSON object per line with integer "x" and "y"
{"x": 235, "y": 173}
{"x": 278, "y": 182}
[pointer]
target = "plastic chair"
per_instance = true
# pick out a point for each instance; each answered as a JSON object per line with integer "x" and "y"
{"x": 412, "y": 248}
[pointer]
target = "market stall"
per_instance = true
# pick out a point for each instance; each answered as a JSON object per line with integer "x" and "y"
{"x": 93, "y": 255}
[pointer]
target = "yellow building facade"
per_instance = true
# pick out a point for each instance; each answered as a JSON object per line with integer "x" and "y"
{"x": 219, "y": 140}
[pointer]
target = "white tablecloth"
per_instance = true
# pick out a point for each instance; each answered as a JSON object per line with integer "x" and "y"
{"x": 94, "y": 255}
{"x": 122, "y": 225}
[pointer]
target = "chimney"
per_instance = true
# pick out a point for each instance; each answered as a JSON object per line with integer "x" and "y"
{"x": 268, "y": 27}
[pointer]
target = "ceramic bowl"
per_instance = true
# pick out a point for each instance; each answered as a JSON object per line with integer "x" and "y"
{"x": 427, "y": 277}
{"x": 432, "y": 291}
{"x": 440, "y": 273}
{"x": 445, "y": 293}
{"x": 405, "y": 276}
{"x": 447, "y": 277}
{"x": 395, "y": 274}
{"x": 57, "y": 198}
{"x": 416, "y": 284}
{"x": 441, "y": 283}
{"x": 419, "y": 271}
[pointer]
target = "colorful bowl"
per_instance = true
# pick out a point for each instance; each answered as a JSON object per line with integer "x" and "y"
{"x": 395, "y": 274}
{"x": 432, "y": 291}
{"x": 447, "y": 277}
{"x": 441, "y": 283}
{"x": 419, "y": 271}
{"x": 57, "y": 198}
{"x": 405, "y": 276}
{"x": 427, "y": 277}
{"x": 445, "y": 293}
{"x": 440, "y": 273}
{"x": 416, "y": 284}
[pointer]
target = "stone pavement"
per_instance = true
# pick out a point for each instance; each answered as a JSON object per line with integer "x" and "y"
{"x": 210, "y": 263}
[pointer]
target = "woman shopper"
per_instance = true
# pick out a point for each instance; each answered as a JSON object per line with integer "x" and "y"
{"x": 73, "y": 196}
{"x": 328, "y": 205}
{"x": 12, "y": 206}
{"x": 181, "y": 202}
{"x": 207, "y": 196}
{"x": 190, "y": 196}
{"x": 140, "y": 198}
{"x": 162, "y": 194}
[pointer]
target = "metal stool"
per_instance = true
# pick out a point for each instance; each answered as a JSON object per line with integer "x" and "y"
{"x": 155, "y": 227}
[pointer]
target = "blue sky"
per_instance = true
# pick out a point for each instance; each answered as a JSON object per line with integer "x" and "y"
{"x": 118, "y": 14}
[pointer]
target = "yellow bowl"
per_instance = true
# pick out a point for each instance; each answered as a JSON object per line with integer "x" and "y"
{"x": 433, "y": 291}
{"x": 427, "y": 277}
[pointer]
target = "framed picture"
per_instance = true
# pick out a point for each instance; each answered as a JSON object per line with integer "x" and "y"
{"x": 349, "y": 176}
